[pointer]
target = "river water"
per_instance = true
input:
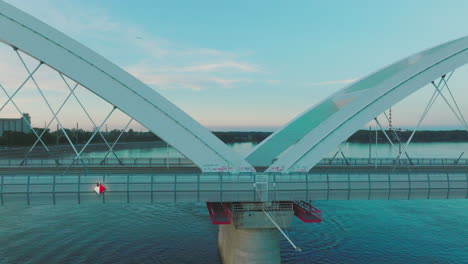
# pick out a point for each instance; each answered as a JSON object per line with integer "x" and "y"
{"x": 351, "y": 150}
{"x": 432, "y": 231}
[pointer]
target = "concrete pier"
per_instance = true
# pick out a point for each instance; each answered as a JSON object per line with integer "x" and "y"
{"x": 252, "y": 237}
{"x": 248, "y": 245}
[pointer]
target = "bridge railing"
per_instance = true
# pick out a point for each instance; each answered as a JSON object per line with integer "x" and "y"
{"x": 97, "y": 162}
{"x": 196, "y": 187}
{"x": 253, "y": 206}
{"x": 184, "y": 162}
{"x": 392, "y": 161}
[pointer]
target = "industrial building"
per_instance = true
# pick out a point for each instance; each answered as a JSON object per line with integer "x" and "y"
{"x": 15, "y": 124}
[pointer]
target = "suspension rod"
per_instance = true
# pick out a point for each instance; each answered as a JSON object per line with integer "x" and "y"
{"x": 434, "y": 97}
{"x": 21, "y": 86}
{"x": 48, "y": 125}
{"x": 27, "y": 122}
{"x": 46, "y": 101}
{"x": 118, "y": 138}
{"x": 282, "y": 232}
{"x": 450, "y": 106}
{"x": 89, "y": 116}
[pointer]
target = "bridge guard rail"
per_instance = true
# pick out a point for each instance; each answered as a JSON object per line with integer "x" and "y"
{"x": 184, "y": 162}
{"x": 34, "y": 189}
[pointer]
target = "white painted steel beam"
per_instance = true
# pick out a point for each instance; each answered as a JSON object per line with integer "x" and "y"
{"x": 119, "y": 88}
{"x": 302, "y": 143}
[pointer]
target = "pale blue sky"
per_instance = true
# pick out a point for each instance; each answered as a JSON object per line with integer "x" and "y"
{"x": 256, "y": 63}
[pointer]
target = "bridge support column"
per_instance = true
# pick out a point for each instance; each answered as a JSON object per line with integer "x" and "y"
{"x": 252, "y": 237}
{"x": 259, "y": 245}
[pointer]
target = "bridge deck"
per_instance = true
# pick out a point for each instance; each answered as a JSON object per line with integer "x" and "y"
{"x": 146, "y": 187}
{"x": 177, "y": 180}
{"x": 182, "y": 165}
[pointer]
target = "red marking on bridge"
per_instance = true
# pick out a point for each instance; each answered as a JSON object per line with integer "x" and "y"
{"x": 99, "y": 188}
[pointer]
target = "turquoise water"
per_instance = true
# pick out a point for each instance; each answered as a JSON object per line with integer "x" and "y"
{"x": 351, "y": 232}
{"x": 432, "y": 231}
{"x": 352, "y": 150}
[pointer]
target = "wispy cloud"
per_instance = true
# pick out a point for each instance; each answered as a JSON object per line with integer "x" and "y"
{"x": 175, "y": 78}
{"x": 157, "y": 61}
{"x": 332, "y": 82}
{"x": 216, "y": 67}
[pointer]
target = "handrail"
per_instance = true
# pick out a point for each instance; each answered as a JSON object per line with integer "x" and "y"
{"x": 249, "y": 206}
{"x": 184, "y": 162}
{"x": 312, "y": 210}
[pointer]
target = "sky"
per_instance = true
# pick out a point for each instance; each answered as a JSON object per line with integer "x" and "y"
{"x": 254, "y": 65}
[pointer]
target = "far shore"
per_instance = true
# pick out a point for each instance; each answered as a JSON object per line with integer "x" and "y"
{"x": 232, "y": 137}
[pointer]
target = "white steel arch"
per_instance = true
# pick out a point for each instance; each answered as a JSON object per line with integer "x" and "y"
{"x": 303, "y": 142}
{"x": 111, "y": 83}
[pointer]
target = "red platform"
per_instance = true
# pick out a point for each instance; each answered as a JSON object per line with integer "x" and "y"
{"x": 306, "y": 212}
{"x": 220, "y": 213}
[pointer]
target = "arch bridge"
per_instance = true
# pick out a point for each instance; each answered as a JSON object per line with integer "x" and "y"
{"x": 291, "y": 152}
{"x": 287, "y": 166}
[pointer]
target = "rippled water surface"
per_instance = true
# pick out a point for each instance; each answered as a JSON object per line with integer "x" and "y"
{"x": 351, "y": 232}
{"x": 432, "y": 231}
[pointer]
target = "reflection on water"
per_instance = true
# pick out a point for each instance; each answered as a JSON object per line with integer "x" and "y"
{"x": 416, "y": 150}
{"x": 351, "y": 150}
{"x": 421, "y": 231}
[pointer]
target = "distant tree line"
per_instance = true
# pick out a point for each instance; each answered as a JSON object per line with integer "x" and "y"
{"x": 79, "y": 136}
{"x": 366, "y": 136}
{"x": 234, "y": 137}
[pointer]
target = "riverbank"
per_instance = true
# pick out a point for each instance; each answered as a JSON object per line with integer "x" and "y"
{"x": 18, "y": 139}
